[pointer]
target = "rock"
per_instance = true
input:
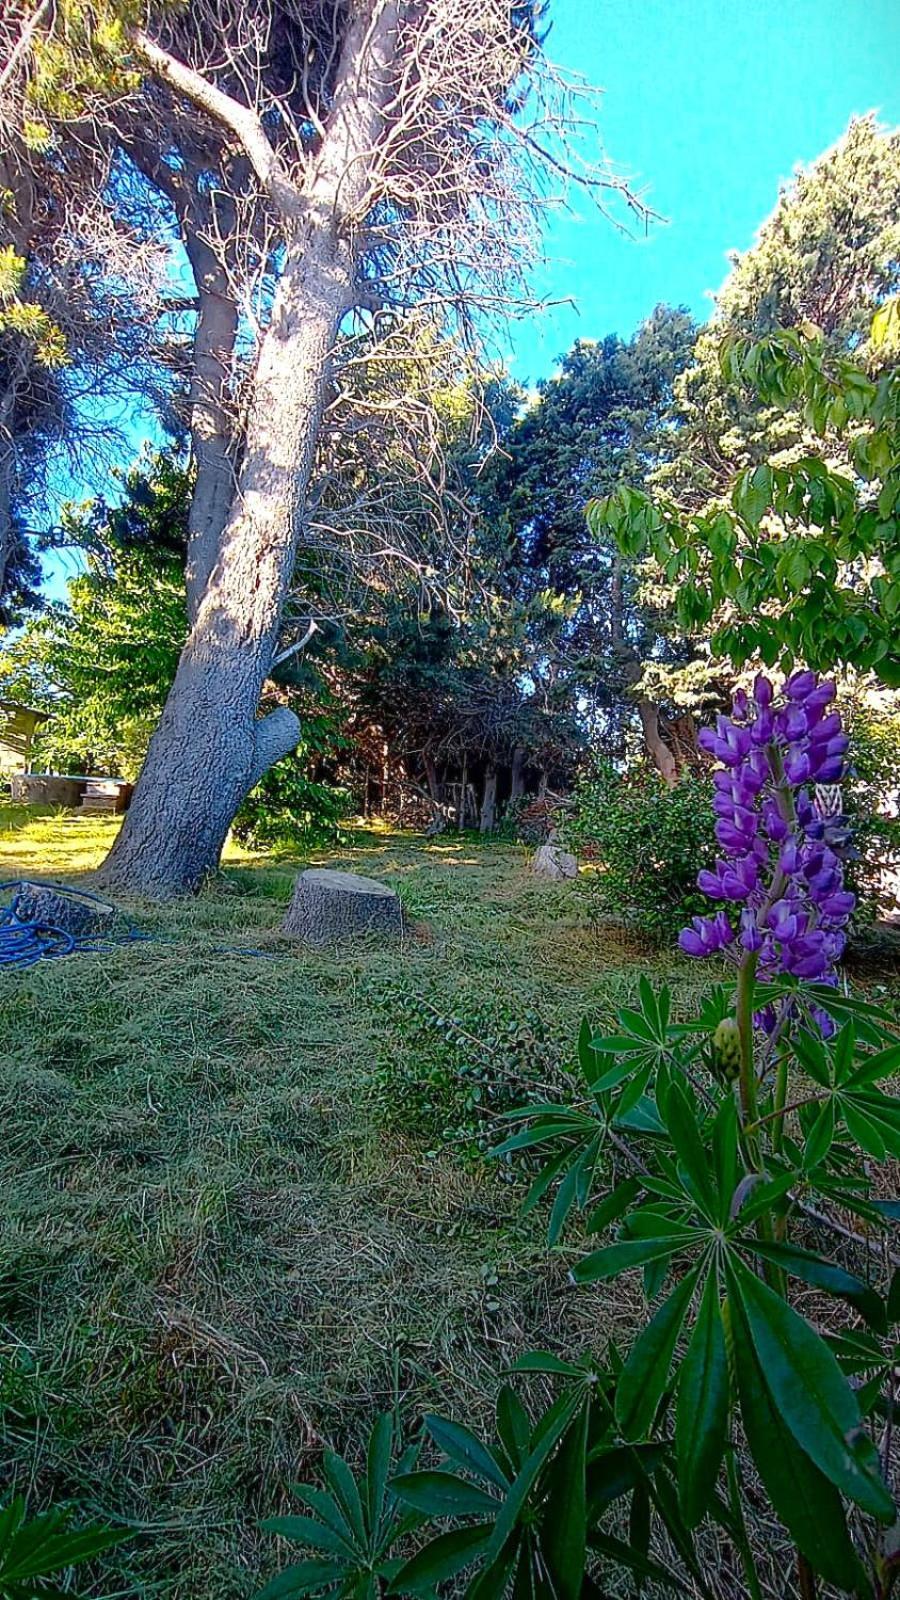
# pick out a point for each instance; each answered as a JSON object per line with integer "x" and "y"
{"x": 328, "y": 906}
{"x": 552, "y": 862}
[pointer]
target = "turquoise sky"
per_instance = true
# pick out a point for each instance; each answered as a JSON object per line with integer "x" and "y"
{"x": 708, "y": 105}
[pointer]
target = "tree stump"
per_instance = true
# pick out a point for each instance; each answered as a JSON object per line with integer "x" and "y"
{"x": 330, "y": 906}
{"x": 549, "y": 861}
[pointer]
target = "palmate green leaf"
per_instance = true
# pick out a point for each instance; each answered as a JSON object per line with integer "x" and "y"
{"x": 564, "y": 1516}
{"x": 807, "y": 1503}
{"x": 33, "y": 1548}
{"x": 701, "y": 1416}
{"x": 547, "y": 1434}
{"x": 873, "y": 1118}
{"x": 646, "y": 1371}
{"x": 882, "y": 1064}
{"x": 811, "y": 1393}
{"x": 616, "y": 1470}
{"x": 441, "y": 1558}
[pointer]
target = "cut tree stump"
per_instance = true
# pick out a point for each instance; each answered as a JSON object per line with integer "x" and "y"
{"x": 329, "y": 906}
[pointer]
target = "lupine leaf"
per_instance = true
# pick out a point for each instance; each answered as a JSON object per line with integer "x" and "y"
{"x": 646, "y": 1371}
{"x": 811, "y": 1393}
{"x": 701, "y": 1418}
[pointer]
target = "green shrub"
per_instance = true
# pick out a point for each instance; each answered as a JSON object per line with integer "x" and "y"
{"x": 874, "y": 875}
{"x": 289, "y": 808}
{"x": 647, "y": 842}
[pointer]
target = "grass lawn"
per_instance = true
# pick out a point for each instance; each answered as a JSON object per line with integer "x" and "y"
{"x": 244, "y": 1206}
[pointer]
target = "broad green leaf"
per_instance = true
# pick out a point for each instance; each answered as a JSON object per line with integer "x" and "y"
{"x": 646, "y": 1372}
{"x": 614, "y": 1205}
{"x": 441, "y": 1558}
{"x": 513, "y": 1426}
{"x": 378, "y": 1466}
{"x": 807, "y": 1503}
{"x": 616, "y": 1258}
{"x": 462, "y": 1446}
{"x": 545, "y": 1361}
{"x": 701, "y": 1418}
{"x": 823, "y": 1275}
{"x": 344, "y": 1488}
{"x": 303, "y": 1578}
{"x": 690, "y": 1149}
{"x": 548, "y": 1436}
{"x": 813, "y": 1396}
{"x": 441, "y": 1494}
{"x": 564, "y": 1517}
{"x": 821, "y": 1136}
{"x": 309, "y": 1531}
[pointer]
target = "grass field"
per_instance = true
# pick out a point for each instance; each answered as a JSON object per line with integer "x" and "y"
{"x": 243, "y": 1201}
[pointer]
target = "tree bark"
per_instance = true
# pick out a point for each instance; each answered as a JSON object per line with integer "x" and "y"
{"x": 213, "y": 442}
{"x": 212, "y": 431}
{"x": 489, "y": 799}
{"x": 209, "y": 748}
{"x": 662, "y": 754}
{"x": 517, "y": 775}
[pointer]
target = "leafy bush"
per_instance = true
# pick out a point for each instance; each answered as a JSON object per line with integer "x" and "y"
{"x": 289, "y": 808}
{"x": 872, "y": 791}
{"x": 647, "y": 842}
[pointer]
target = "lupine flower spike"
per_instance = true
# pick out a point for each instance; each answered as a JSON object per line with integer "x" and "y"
{"x": 781, "y": 868}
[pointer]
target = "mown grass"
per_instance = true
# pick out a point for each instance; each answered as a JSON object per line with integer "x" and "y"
{"x": 243, "y": 1205}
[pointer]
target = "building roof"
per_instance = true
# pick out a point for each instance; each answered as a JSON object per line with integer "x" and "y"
{"x": 17, "y": 725}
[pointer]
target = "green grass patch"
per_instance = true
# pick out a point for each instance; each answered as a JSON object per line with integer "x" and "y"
{"x": 244, "y": 1202}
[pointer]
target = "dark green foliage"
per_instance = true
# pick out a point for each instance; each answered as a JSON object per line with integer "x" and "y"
{"x": 601, "y": 422}
{"x": 465, "y": 1064}
{"x": 36, "y": 1550}
{"x": 290, "y": 809}
{"x": 874, "y": 876}
{"x": 647, "y": 843}
{"x": 103, "y": 661}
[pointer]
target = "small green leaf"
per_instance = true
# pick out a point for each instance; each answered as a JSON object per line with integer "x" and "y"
{"x": 441, "y": 1494}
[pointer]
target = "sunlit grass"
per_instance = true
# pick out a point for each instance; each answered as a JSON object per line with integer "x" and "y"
{"x": 220, "y": 1243}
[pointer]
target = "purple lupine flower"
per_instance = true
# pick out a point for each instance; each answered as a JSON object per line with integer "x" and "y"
{"x": 782, "y": 860}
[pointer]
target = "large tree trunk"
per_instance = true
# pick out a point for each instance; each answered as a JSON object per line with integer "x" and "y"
{"x": 489, "y": 799}
{"x": 212, "y": 430}
{"x": 210, "y": 747}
